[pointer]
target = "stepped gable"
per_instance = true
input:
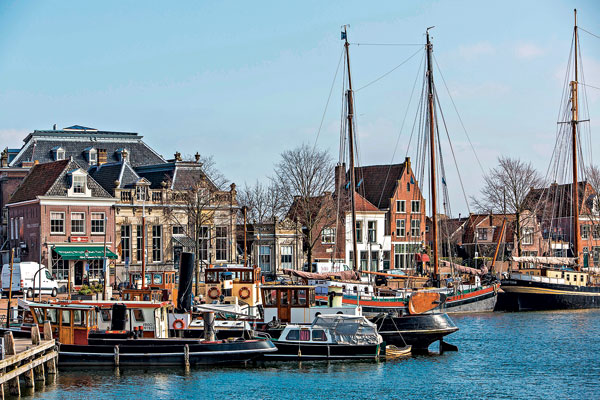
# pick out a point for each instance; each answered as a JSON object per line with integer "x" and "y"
{"x": 75, "y": 140}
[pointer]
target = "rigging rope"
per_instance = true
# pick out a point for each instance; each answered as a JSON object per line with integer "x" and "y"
{"x": 328, "y": 98}
{"x": 386, "y": 44}
{"x": 588, "y": 32}
{"x": 389, "y": 72}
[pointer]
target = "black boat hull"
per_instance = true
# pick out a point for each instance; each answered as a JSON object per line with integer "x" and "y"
{"x": 157, "y": 352}
{"x": 313, "y": 351}
{"x": 521, "y": 295}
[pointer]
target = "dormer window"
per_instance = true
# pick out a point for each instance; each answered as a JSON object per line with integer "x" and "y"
{"x": 79, "y": 184}
{"x": 92, "y": 155}
{"x": 59, "y": 153}
{"x": 122, "y": 154}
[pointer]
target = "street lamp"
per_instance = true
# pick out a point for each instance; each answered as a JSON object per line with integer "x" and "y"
{"x": 86, "y": 254}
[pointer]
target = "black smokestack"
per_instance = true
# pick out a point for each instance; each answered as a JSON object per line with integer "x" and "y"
{"x": 186, "y": 272}
{"x": 119, "y": 317}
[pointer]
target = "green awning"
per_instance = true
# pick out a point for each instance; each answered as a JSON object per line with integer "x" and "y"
{"x": 83, "y": 252}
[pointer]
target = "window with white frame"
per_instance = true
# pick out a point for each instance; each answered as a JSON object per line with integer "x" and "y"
{"x": 79, "y": 184}
{"x": 126, "y": 243}
{"x": 415, "y": 206}
{"x": 60, "y": 267}
{"x": 264, "y": 258}
{"x": 78, "y": 223}
{"x": 585, "y": 231}
{"x": 59, "y": 153}
{"x": 156, "y": 243}
{"x": 482, "y": 233}
{"x": 404, "y": 254}
{"x": 527, "y": 236}
{"x": 415, "y": 227}
{"x": 286, "y": 257}
{"x": 92, "y": 156}
{"x": 359, "y": 230}
{"x": 97, "y": 220}
{"x": 372, "y": 231}
{"x": 328, "y": 235}
{"x": 221, "y": 243}
{"x": 141, "y": 193}
{"x": 204, "y": 238}
{"x": 139, "y": 243}
{"x": 596, "y": 232}
{"x": 57, "y": 222}
{"x": 400, "y": 227}
{"x": 400, "y": 206}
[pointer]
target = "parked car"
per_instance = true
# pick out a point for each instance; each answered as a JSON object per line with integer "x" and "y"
{"x": 23, "y": 279}
{"x": 325, "y": 267}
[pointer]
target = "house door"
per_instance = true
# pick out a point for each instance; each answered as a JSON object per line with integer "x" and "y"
{"x": 79, "y": 273}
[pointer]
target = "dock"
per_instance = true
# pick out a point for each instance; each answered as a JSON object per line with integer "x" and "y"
{"x": 28, "y": 361}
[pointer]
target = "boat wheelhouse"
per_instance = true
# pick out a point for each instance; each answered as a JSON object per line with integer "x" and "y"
{"x": 165, "y": 281}
{"x": 228, "y": 283}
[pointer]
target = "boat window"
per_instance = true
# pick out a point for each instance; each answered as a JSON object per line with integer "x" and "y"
{"x": 271, "y": 297}
{"x": 284, "y": 298}
{"x": 302, "y": 297}
{"x": 51, "y": 315}
{"x": 138, "y": 314}
{"x": 247, "y": 276}
{"x": 305, "y": 335}
{"x": 366, "y": 289}
{"x": 65, "y": 317}
{"x": 211, "y": 277}
{"x": 157, "y": 279}
{"x": 79, "y": 317}
{"x": 312, "y": 296}
{"x": 105, "y": 315}
{"x": 92, "y": 318}
{"x": 39, "y": 315}
{"x": 146, "y": 297}
{"x": 318, "y": 335}
{"x": 294, "y": 334}
{"x": 126, "y": 296}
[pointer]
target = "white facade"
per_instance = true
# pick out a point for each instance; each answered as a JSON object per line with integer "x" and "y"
{"x": 373, "y": 245}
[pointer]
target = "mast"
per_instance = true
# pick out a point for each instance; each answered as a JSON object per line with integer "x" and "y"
{"x": 574, "y": 121}
{"x": 349, "y": 96}
{"x": 434, "y": 217}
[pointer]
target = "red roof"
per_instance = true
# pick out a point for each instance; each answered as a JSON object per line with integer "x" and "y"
{"x": 363, "y": 204}
{"x": 40, "y": 179}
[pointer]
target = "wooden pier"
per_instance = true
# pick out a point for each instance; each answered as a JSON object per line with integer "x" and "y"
{"x": 32, "y": 361}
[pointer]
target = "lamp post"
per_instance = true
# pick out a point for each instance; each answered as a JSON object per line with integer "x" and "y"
{"x": 86, "y": 254}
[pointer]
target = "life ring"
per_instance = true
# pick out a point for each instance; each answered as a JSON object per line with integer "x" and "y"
{"x": 214, "y": 293}
{"x": 244, "y": 292}
{"x": 178, "y": 324}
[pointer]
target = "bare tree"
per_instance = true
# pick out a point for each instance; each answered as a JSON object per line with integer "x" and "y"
{"x": 263, "y": 201}
{"x": 592, "y": 175}
{"x": 506, "y": 187}
{"x": 304, "y": 178}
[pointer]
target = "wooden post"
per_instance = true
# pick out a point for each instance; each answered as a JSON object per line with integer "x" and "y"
{"x": 47, "y": 331}
{"x": 28, "y": 379}
{"x": 50, "y": 364}
{"x": 35, "y": 335}
{"x": 186, "y": 356}
{"x": 12, "y": 254}
{"x": 117, "y": 356}
{"x": 9, "y": 344}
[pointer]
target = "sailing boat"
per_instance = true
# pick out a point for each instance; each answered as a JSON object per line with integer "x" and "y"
{"x": 476, "y": 296}
{"x": 559, "y": 282}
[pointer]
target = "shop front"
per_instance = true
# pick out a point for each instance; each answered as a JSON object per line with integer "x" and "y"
{"x": 81, "y": 264}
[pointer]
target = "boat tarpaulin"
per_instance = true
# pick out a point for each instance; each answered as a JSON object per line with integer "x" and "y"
{"x": 342, "y": 275}
{"x": 348, "y": 329}
{"x": 546, "y": 260}
{"x": 463, "y": 269}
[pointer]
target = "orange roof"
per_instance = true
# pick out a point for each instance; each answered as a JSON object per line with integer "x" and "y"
{"x": 363, "y": 204}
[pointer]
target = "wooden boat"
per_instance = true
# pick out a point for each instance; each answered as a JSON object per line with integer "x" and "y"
{"x": 75, "y": 325}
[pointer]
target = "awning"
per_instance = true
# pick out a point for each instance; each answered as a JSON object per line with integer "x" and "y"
{"x": 184, "y": 241}
{"x": 83, "y": 252}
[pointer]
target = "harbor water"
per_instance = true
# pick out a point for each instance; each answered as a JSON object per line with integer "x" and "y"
{"x": 501, "y": 355}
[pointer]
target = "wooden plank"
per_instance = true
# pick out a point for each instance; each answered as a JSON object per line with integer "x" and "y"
{"x": 15, "y": 373}
{"x": 26, "y": 354}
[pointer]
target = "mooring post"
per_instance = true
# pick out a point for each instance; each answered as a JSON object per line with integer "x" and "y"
{"x": 47, "y": 331}
{"x": 35, "y": 335}
{"x": 117, "y": 356}
{"x": 186, "y": 356}
{"x": 9, "y": 345}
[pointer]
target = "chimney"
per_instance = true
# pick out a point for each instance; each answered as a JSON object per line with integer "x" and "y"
{"x": 54, "y": 127}
{"x": 197, "y": 157}
{"x": 177, "y": 156}
{"x": 340, "y": 177}
{"x": 407, "y": 163}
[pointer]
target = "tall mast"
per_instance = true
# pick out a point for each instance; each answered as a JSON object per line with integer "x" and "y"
{"x": 349, "y": 96}
{"x": 574, "y": 120}
{"x": 434, "y": 216}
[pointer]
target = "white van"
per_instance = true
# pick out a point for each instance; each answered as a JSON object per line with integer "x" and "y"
{"x": 326, "y": 267}
{"x": 23, "y": 276}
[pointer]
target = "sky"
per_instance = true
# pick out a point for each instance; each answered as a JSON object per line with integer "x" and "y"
{"x": 244, "y": 81}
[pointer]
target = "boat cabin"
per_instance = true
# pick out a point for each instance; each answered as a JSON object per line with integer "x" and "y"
{"x": 147, "y": 294}
{"x": 296, "y": 304}
{"x": 223, "y": 283}
{"x": 70, "y": 323}
{"x": 165, "y": 280}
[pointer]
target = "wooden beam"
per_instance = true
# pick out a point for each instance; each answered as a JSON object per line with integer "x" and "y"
{"x": 13, "y": 359}
{"x": 15, "y": 373}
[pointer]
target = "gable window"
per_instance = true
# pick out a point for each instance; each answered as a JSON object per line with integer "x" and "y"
{"x": 221, "y": 242}
{"x": 97, "y": 223}
{"x": 156, "y": 243}
{"x": 415, "y": 206}
{"x": 79, "y": 184}
{"x": 57, "y": 222}
{"x": 141, "y": 193}
{"x": 328, "y": 235}
{"x": 372, "y": 231}
{"x": 482, "y": 234}
{"x": 400, "y": 227}
{"x": 59, "y": 153}
{"x": 78, "y": 223}
{"x": 415, "y": 227}
{"x": 400, "y": 206}
{"x": 527, "y": 236}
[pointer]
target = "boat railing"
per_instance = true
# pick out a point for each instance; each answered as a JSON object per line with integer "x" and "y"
{"x": 262, "y": 335}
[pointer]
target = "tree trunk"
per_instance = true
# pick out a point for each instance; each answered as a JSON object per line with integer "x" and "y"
{"x": 309, "y": 252}
{"x": 518, "y": 229}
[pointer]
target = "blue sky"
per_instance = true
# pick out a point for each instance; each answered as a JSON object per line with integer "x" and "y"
{"x": 245, "y": 80}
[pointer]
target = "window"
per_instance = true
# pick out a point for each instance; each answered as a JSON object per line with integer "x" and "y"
{"x": 60, "y": 267}
{"x": 318, "y": 335}
{"x": 138, "y": 314}
{"x": 221, "y": 242}
{"x": 79, "y": 184}
{"x": 286, "y": 257}
{"x": 57, "y": 222}
{"x": 400, "y": 206}
{"x": 372, "y": 231}
{"x": 363, "y": 259}
{"x": 482, "y": 234}
{"x": 400, "y": 227}
{"x": 386, "y": 259}
{"x": 141, "y": 193}
{"x": 65, "y": 317}
{"x": 264, "y": 258}
{"x": 93, "y": 156}
{"x": 585, "y": 231}
{"x": 415, "y": 206}
{"x": 408, "y": 186}
{"x": 527, "y": 236}
{"x": 351, "y": 259}
{"x": 95, "y": 269}
{"x": 596, "y": 255}
{"x": 596, "y": 232}
{"x": 77, "y": 223}
{"x": 204, "y": 238}
{"x": 97, "y": 223}
{"x": 294, "y": 334}
{"x": 374, "y": 260}
{"x": 156, "y": 243}
{"x": 178, "y": 230}
{"x": 415, "y": 227}
{"x": 59, "y": 153}
{"x": 126, "y": 243}
{"x": 328, "y": 235}
{"x": 139, "y": 244}
{"x": 404, "y": 254}
{"x": 359, "y": 231}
